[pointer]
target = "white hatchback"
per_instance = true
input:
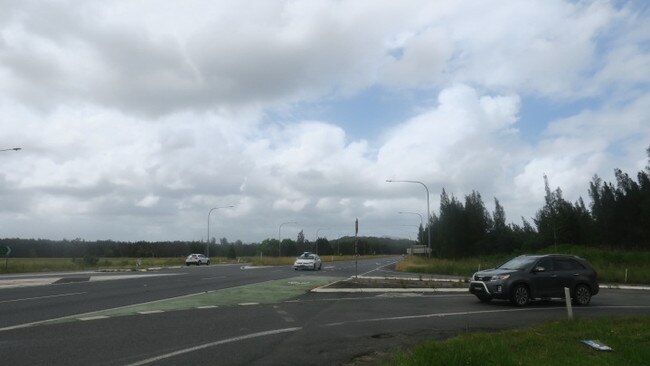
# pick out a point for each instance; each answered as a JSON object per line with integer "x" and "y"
{"x": 308, "y": 260}
{"x": 197, "y": 259}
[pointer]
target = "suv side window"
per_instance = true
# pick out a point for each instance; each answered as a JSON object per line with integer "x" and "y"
{"x": 546, "y": 263}
{"x": 567, "y": 264}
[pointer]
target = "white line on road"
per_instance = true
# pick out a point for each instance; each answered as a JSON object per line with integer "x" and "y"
{"x": 44, "y": 297}
{"x": 93, "y": 318}
{"x": 150, "y": 312}
{"x": 213, "y": 278}
{"x": 212, "y": 344}
{"x": 442, "y": 315}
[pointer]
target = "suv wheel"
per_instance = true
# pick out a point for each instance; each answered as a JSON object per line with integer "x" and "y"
{"x": 582, "y": 295}
{"x": 520, "y": 295}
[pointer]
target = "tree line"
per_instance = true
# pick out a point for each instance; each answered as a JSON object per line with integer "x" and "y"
{"x": 618, "y": 216}
{"x": 79, "y": 248}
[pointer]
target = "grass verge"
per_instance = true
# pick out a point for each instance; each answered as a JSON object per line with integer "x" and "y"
{"x": 285, "y": 261}
{"x": 553, "y": 343}
{"x": 611, "y": 265}
{"x": 24, "y": 265}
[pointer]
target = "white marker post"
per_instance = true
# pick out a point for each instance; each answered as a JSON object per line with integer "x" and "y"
{"x": 567, "y": 298}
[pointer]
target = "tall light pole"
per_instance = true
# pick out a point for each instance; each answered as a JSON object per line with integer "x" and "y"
{"x": 428, "y": 209}
{"x": 413, "y": 213}
{"x": 12, "y": 149}
{"x": 207, "y": 244}
{"x": 280, "y": 236}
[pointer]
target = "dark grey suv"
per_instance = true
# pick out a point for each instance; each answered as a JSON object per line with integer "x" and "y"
{"x": 528, "y": 277}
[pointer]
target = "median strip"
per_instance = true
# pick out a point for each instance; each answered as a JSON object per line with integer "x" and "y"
{"x": 260, "y": 293}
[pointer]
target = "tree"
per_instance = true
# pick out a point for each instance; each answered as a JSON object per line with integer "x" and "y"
{"x": 231, "y": 252}
{"x": 323, "y": 246}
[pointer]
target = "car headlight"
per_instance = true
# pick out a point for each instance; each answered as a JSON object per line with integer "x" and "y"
{"x": 500, "y": 277}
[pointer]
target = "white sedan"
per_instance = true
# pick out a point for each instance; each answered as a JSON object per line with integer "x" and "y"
{"x": 197, "y": 259}
{"x": 308, "y": 260}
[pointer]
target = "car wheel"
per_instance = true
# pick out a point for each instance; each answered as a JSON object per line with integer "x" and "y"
{"x": 314, "y": 266}
{"x": 207, "y": 263}
{"x": 582, "y": 295}
{"x": 187, "y": 264}
{"x": 520, "y": 295}
{"x": 320, "y": 266}
{"x": 484, "y": 298}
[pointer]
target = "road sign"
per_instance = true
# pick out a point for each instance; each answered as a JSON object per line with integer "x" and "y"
{"x": 8, "y": 251}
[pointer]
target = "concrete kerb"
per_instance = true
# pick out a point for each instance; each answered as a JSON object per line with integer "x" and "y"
{"x": 325, "y": 289}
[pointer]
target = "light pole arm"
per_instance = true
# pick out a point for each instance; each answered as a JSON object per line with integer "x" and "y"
{"x": 280, "y": 236}
{"x": 207, "y": 244}
{"x": 428, "y": 209}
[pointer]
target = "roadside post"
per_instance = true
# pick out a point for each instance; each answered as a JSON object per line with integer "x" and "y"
{"x": 567, "y": 298}
{"x": 356, "y": 247}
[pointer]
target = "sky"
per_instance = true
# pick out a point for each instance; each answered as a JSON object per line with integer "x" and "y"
{"x": 135, "y": 118}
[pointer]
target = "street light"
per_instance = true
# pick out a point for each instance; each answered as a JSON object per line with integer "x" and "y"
{"x": 280, "y": 236}
{"x": 207, "y": 244}
{"x": 12, "y": 149}
{"x": 428, "y": 209}
{"x": 413, "y": 213}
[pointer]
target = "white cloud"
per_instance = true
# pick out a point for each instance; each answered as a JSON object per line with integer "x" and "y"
{"x": 145, "y": 115}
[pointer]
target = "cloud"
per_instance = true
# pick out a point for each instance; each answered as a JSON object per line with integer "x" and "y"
{"x": 138, "y": 117}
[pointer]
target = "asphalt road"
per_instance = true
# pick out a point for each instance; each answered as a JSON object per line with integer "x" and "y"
{"x": 311, "y": 329}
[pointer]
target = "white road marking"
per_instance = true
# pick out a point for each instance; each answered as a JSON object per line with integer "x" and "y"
{"x": 76, "y": 316}
{"x": 24, "y": 282}
{"x": 212, "y": 344}
{"x": 442, "y": 315}
{"x": 130, "y": 276}
{"x": 214, "y": 278}
{"x": 146, "y": 312}
{"x": 207, "y": 307}
{"x": 248, "y": 303}
{"x": 93, "y": 318}
{"x": 44, "y": 297}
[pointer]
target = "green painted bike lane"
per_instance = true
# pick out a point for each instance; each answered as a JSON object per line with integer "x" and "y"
{"x": 268, "y": 292}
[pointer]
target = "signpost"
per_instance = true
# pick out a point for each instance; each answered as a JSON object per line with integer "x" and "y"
{"x": 7, "y": 256}
{"x": 356, "y": 248}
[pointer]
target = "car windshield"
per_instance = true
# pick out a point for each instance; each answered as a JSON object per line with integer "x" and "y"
{"x": 518, "y": 263}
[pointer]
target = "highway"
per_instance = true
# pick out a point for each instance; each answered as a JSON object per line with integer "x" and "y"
{"x": 75, "y": 321}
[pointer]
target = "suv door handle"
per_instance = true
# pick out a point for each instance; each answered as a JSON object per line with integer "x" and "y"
{"x": 576, "y": 274}
{"x": 554, "y": 275}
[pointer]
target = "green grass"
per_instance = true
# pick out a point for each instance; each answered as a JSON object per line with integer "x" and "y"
{"x": 23, "y": 265}
{"x": 610, "y": 264}
{"x": 284, "y": 261}
{"x": 553, "y": 343}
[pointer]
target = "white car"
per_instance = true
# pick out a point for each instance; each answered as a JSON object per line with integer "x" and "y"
{"x": 197, "y": 259}
{"x": 308, "y": 260}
